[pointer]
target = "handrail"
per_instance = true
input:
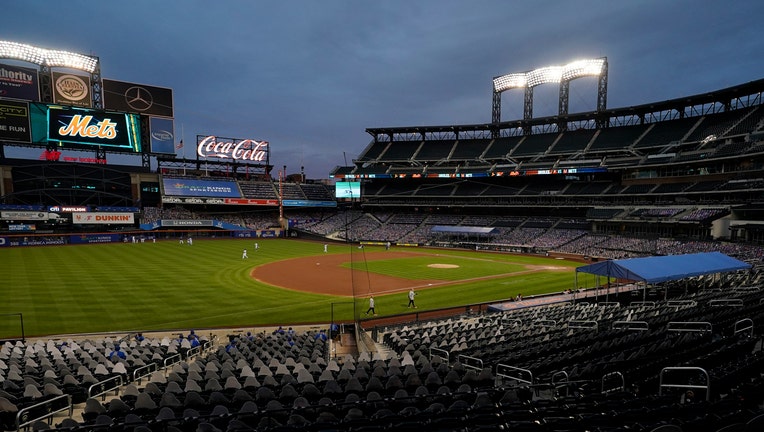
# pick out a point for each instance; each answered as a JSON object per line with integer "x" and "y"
{"x": 515, "y": 322}
{"x": 41, "y": 410}
{"x": 138, "y": 373}
{"x": 617, "y": 388}
{"x": 564, "y": 375}
{"x": 631, "y": 325}
{"x": 560, "y": 384}
{"x": 733, "y": 302}
{"x": 748, "y": 327}
{"x": 471, "y": 362}
{"x": 544, "y": 323}
{"x": 441, "y": 353}
{"x": 706, "y": 387}
{"x": 504, "y": 371}
{"x": 607, "y": 303}
{"x": 689, "y": 326}
{"x": 173, "y": 359}
{"x": 642, "y": 303}
{"x": 101, "y": 388}
{"x": 677, "y": 303}
{"x": 583, "y": 324}
{"x": 193, "y": 351}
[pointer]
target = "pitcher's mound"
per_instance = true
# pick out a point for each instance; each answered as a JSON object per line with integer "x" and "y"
{"x": 442, "y": 266}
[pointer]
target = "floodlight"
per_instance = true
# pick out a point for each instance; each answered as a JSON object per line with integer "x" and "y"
{"x": 550, "y": 74}
{"x": 21, "y": 52}
{"x": 580, "y": 68}
{"x": 71, "y": 60}
{"x": 506, "y": 82}
{"x": 51, "y": 58}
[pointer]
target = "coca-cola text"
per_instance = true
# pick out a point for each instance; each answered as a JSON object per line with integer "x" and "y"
{"x": 246, "y": 149}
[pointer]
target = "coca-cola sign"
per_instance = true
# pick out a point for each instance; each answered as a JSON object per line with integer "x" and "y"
{"x": 228, "y": 148}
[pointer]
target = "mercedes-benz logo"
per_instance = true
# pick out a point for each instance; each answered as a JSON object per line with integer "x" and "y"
{"x": 138, "y": 98}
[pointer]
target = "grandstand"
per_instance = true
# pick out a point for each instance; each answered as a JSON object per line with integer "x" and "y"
{"x": 672, "y": 177}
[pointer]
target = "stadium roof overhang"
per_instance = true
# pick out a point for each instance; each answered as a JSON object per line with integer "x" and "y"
{"x": 665, "y": 268}
{"x": 722, "y": 96}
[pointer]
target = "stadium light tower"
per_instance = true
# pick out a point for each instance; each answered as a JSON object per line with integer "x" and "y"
{"x": 551, "y": 74}
{"x": 47, "y": 59}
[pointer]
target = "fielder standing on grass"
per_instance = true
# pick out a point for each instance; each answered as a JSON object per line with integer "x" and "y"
{"x": 412, "y": 295}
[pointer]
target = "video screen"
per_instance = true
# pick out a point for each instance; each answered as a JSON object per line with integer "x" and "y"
{"x": 344, "y": 189}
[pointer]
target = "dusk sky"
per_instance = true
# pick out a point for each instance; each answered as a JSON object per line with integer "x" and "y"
{"x": 311, "y": 76}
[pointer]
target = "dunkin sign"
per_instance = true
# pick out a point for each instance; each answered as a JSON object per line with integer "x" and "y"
{"x": 227, "y": 148}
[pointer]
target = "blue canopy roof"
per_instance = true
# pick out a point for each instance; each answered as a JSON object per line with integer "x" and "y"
{"x": 665, "y": 268}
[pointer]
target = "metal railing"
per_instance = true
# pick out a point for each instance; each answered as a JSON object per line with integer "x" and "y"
{"x": 583, "y": 324}
{"x": 631, "y": 325}
{"x": 471, "y": 362}
{"x": 440, "y": 353}
{"x": 689, "y": 326}
{"x": 706, "y": 387}
{"x": 42, "y": 410}
{"x": 102, "y": 387}
{"x": 513, "y": 373}
{"x": 611, "y": 377}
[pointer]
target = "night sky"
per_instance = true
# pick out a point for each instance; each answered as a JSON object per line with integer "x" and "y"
{"x": 311, "y": 76}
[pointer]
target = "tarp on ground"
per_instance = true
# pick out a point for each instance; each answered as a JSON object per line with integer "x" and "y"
{"x": 665, "y": 268}
{"x": 463, "y": 229}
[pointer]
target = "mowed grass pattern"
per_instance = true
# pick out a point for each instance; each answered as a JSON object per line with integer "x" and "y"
{"x": 168, "y": 286}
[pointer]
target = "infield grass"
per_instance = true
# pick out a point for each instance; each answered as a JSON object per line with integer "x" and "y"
{"x": 168, "y": 286}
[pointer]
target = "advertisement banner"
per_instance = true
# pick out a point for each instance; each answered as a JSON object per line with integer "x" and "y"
{"x": 250, "y": 150}
{"x": 24, "y": 215}
{"x": 21, "y": 227}
{"x": 14, "y": 121}
{"x": 25, "y": 241}
{"x": 137, "y": 98}
{"x": 252, "y": 201}
{"x": 308, "y": 203}
{"x": 94, "y": 238}
{"x": 71, "y": 89}
{"x": 87, "y": 128}
{"x": 19, "y": 83}
{"x": 102, "y": 218}
{"x": 68, "y": 209}
{"x": 185, "y": 222}
{"x": 162, "y": 135}
{"x": 201, "y": 188}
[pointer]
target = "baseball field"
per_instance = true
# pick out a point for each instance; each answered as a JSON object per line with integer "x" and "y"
{"x": 166, "y": 285}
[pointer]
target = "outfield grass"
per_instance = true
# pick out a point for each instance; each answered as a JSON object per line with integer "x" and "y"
{"x": 167, "y": 286}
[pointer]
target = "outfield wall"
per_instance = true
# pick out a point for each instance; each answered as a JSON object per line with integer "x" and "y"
{"x": 23, "y": 240}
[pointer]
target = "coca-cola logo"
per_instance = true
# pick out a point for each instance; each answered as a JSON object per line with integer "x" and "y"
{"x": 246, "y": 149}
